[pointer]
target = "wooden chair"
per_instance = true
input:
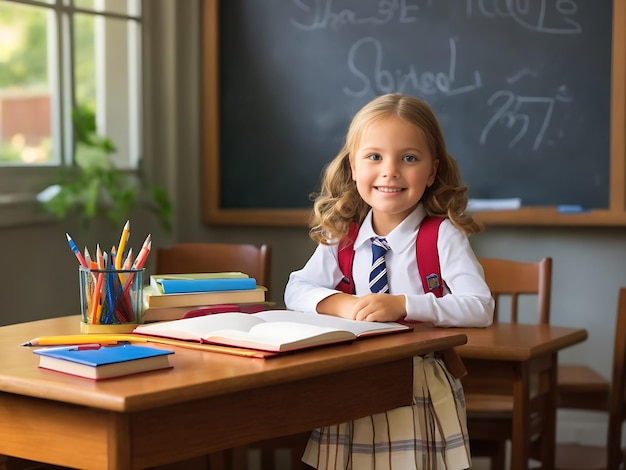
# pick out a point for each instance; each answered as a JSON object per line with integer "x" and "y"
{"x": 215, "y": 257}
{"x": 490, "y": 415}
{"x": 582, "y": 387}
{"x": 578, "y": 456}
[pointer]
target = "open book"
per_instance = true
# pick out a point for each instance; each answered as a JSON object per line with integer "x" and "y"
{"x": 270, "y": 330}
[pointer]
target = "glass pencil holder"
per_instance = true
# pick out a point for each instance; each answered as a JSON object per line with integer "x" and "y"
{"x": 111, "y": 300}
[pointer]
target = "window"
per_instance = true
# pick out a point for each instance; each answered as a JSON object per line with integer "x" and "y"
{"x": 59, "y": 56}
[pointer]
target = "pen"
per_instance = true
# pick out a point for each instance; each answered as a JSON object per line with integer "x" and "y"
{"x": 76, "y": 251}
{"x": 80, "y": 347}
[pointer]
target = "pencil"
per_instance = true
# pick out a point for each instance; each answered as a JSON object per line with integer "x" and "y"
{"x": 143, "y": 253}
{"x": 72, "y": 339}
{"x": 76, "y": 251}
{"x": 96, "y": 308}
{"x": 128, "y": 262}
{"x": 122, "y": 245}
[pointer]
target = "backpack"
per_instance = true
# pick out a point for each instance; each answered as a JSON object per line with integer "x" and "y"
{"x": 426, "y": 254}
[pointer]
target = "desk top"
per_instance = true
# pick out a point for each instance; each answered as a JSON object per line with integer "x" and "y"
{"x": 517, "y": 342}
{"x": 196, "y": 374}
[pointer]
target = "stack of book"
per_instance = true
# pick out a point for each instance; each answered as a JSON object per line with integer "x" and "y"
{"x": 174, "y": 296}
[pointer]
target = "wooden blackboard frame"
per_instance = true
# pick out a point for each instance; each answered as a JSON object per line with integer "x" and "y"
{"x": 214, "y": 213}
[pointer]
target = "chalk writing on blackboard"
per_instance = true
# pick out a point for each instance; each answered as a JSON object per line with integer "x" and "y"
{"x": 509, "y": 80}
{"x": 325, "y": 14}
{"x": 509, "y": 114}
{"x": 525, "y": 12}
{"x": 385, "y": 81}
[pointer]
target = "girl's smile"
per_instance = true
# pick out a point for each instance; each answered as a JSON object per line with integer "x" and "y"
{"x": 386, "y": 189}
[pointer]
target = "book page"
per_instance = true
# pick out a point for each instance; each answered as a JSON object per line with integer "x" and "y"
{"x": 359, "y": 328}
{"x": 280, "y": 336}
{"x": 199, "y": 327}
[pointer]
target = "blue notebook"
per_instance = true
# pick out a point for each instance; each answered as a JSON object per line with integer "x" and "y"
{"x": 103, "y": 362}
{"x": 183, "y": 286}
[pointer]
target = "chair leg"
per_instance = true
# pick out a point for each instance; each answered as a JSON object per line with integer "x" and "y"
{"x": 498, "y": 458}
{"x": 268, "y": 456}
{"x": 217, "y": 460}
{"x": 495, "y": 451}
{"x": 239, "y": 458}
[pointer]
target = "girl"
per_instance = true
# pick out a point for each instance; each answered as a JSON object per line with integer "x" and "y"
{"x": 391, "y": 173}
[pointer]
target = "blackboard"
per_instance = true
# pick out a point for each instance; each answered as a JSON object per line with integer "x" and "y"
{"x": 522, "y": 90}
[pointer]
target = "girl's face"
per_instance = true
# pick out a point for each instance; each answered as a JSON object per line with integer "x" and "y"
{"x": 392, "y": 166}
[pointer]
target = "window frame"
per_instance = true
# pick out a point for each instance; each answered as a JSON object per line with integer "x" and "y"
{"x": 20, "y": 184}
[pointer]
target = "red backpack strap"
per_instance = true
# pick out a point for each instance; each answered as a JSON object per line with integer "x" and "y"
{"x": 427, "y": 255}
{"x": 345, "y": 257}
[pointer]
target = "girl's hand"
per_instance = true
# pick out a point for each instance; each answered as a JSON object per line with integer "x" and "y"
{"x": 379, "y": 307}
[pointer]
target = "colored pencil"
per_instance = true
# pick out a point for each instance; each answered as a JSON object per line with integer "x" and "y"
{"x": 76, "y": 251}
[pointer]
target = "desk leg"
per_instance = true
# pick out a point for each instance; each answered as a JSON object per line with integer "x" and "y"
{"x": 534, "y": 412}
{"x": 119, "y": 448}
{"x": 520, "y": 445}
{"x": 547, "y": 387}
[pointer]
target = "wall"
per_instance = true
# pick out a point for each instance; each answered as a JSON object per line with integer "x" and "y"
{"x": 40, "y": 280}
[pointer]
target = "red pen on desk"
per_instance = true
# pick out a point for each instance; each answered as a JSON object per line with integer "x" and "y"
{"x": 77, "y": 347}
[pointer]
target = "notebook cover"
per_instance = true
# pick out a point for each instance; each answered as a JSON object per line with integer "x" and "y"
{"x": 104, "y": 355}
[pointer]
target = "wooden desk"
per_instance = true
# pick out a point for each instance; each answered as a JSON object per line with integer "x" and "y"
{"x": 520, "y": 360}
{"x": 207, "y": 402}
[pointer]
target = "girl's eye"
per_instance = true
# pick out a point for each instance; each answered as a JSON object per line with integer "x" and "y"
{"x": 409, "y": 158}
{"x": 374, "y": 156}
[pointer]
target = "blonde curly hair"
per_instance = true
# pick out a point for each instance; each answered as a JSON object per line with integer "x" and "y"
{"x": 338, "y": 204}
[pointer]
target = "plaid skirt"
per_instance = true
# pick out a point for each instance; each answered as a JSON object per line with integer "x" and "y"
{"x": 430, "y": 434}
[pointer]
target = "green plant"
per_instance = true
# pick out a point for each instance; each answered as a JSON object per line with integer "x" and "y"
{"x": 94, "y": 187}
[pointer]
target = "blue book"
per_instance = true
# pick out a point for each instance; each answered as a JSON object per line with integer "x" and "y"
{"x": 184, "y": 286}
{"x": 103, "y": 362}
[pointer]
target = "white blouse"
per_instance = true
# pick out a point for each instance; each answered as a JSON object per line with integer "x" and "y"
{"x": 467, "y": 300}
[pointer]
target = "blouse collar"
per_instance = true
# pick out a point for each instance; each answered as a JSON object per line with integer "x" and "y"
{"x": 400, "y": 237}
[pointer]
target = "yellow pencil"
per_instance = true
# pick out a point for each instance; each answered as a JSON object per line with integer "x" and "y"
{"x": 122, "y": 245}
{"x": 113, "y": 338}
{"x": 73, "y": 339}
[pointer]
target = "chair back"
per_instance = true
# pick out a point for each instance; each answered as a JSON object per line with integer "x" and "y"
{"x": 182, "y": 258}
{"x": 617, "y": 400}
{"x": 512, "y": 280}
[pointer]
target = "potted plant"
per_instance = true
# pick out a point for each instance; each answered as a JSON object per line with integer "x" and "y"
{"x": 94, "y": 187}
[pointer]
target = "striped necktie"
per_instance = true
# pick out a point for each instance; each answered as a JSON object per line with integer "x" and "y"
{"x": 378, "y": 273}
